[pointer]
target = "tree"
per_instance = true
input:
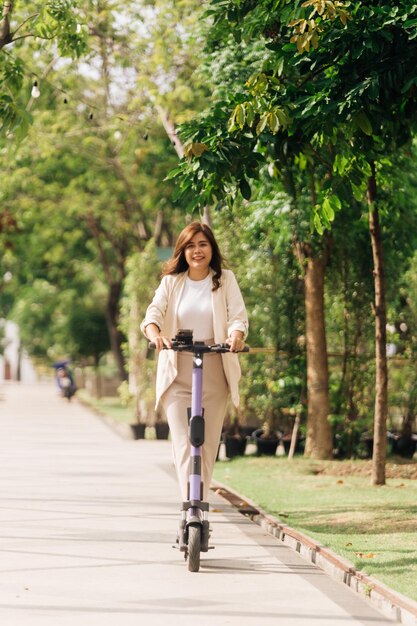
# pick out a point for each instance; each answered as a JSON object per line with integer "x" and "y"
{"x": 334, "y": 90}
{"x": 86, "y": 187}
{"x": 215, "y": 160}
{"x": 57, "y": 22}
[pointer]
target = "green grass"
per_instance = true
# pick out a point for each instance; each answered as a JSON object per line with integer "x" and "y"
{"x": 333, "y": 502}
{"x": 110, "y": 406}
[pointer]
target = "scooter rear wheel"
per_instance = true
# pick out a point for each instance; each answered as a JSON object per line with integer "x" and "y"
{"x": 194, "y": 547}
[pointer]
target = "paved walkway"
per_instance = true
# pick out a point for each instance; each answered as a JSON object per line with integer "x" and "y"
{"x": 87, "y": 521}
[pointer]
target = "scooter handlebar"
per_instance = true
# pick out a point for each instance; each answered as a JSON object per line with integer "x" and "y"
{"x": 224, "y": 347}
{"x": 180, "y": 347}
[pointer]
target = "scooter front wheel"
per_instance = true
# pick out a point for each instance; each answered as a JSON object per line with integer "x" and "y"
{"x": 194, "y": 547}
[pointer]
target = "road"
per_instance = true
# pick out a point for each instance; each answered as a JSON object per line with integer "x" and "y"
{"x": 87, "y": 523}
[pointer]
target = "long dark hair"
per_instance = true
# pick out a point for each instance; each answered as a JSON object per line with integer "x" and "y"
{"x": 177, "y": 264}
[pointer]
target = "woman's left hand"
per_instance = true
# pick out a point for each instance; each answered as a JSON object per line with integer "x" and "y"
{"x": 236, "y": 341}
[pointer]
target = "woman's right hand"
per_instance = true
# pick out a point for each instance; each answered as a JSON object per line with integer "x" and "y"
{"x": 153, "y": 334}
{"x": 160, "y": 341}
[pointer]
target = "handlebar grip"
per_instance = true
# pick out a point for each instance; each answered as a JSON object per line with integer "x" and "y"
{"x": 225, "y": 347}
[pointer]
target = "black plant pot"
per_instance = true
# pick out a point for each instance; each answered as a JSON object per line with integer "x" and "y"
{"x": 299, "y": 445}
{"x": 403, "y": 445}
{"x": 367, "y": 449}
{"x": 161, "y": 430}
{"x": 264, "y": 446}
{"x": 138, "y": 430}
{"x": 235, "y": 446}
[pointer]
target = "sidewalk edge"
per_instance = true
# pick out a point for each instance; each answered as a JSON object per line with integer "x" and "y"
{"x": 391, "y": 603}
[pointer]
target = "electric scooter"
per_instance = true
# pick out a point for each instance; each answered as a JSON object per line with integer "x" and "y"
{"x": 194, "y": 526}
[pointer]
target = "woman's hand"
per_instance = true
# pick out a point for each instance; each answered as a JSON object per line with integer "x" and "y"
{"x": 160, "y": 341}
{"x": 236, "y": 341}
{"x": 153, "y": 334}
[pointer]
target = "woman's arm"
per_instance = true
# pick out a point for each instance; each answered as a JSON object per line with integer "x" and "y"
{"x": 153, "y": 333}
{"x": 155, "y": 315}
{"x": 237, "y": 317}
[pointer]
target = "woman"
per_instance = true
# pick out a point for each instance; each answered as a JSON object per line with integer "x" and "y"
{"x": 196, "y": 293}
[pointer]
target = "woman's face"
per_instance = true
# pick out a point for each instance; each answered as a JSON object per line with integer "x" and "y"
{"x": 198, "y": 253}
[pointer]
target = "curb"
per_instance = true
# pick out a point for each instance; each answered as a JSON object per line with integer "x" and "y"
{"x": 392, "y": 604}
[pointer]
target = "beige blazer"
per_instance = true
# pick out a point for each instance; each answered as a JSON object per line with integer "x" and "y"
{"x": 229, "y": 313}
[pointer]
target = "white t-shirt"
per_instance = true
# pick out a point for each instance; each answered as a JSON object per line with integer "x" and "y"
{"x": 195, "y": 310}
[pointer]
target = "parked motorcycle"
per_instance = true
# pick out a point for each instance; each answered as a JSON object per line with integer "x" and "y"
{"x": 65, "y": 379}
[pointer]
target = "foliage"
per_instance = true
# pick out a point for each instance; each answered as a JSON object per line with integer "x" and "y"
{"x": 272, "y": 383}
{"x": 85, "y": 190}
{"x": 353, "y": 91}
{"x": 58, "y": 22}
{"x": 88, "y": 329}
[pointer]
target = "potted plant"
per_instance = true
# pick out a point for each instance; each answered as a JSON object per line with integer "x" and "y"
{"x": 404, "y": 442}
{"x": 267, "y": 439}
{"x": 293, "y": 440}
{"x": 138, "y": 430}
{"x": 234, "y": 436}
{"x": 128, "y": 399}
{"x": 161, "y": 427}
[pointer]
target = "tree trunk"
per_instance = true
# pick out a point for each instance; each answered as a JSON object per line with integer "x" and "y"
{"x": 379, "y": 308}
{"x": 5, "y": 35}
{"x": 319, "y": 443}
{"x": 116, "y": 337}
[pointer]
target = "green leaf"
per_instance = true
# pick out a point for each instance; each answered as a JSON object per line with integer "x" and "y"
{"x": 327, "y": 210}
{"x": 280, "y": 66}
{"x": 232, "y": 121}
{"x": 284, "y": 120}
{"x": 273, "y": 122}
{"x": 173, "y": 173}
{"x": 335, "y": 202}
{"x": 318, "y": 223}
{"x": 250, "y": 114}
{"x": 361, "y": 120}
{"x": 261, "y": 124}
{"x": 240, "y": 115}
{"x": 302, "y": 161}
{"x": 245, "y": 189}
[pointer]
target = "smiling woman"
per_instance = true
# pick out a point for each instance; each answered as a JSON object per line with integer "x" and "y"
{"x": 196, "y": 293}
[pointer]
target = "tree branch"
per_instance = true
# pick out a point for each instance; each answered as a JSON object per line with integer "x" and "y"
{"x": 31, "y": 17}
{"x": 170, "y": 131}
{"x": 5, "y": 35}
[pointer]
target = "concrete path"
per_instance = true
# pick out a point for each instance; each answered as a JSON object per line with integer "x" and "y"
{"x": 87, "y": 521}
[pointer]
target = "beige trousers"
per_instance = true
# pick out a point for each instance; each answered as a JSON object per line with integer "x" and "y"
{"x": 175, "y": 402}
